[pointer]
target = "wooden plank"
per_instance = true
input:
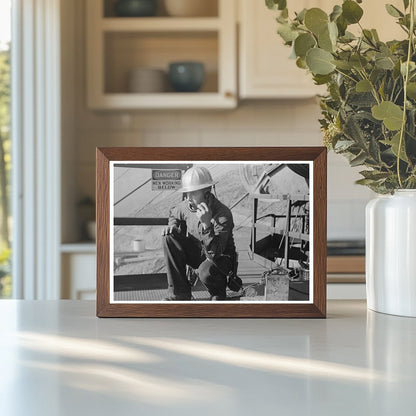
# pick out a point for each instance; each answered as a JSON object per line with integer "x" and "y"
{"x": 280, "y": 197}
{"x": 346, "y": 264}
{"x": 345, "y": 278}
{"x": 140, "y": 221}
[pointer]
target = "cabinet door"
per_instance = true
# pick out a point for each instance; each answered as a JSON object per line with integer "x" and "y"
{"x": 78, "y": 276}
{"x": 266, "y": 71}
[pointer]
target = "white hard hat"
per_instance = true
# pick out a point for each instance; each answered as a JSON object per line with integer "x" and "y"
{"x": 196, "y": 178}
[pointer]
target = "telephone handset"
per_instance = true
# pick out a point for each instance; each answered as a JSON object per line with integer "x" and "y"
{"x": 192, "y": 207}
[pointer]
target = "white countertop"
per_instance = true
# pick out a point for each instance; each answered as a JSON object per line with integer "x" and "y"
{"x": 57, "y": 358}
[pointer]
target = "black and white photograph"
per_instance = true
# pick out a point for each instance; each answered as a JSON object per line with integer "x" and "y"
{"x": 217, "y": 232}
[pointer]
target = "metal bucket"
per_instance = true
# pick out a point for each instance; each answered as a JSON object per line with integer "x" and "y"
{"x": 277, "y": 285}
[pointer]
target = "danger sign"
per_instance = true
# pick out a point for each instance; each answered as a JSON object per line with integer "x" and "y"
{"x": 166, "y": 179}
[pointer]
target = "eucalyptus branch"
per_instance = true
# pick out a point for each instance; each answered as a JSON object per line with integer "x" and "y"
{"x": 373, "y": 88}
{"x": 392, "y": 91}
{"x": 369, "y": 41}
{"x": 346, "y": 75}
{"x": 361, "y": 59}
{"x": 406, "y": 79}
{"x": 404, "y": 28}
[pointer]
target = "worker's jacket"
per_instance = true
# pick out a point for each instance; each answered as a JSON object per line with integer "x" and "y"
{"x": 216, "y": 240}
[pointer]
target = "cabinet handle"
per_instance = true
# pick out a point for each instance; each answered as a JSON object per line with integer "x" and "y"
{"x": 229, "y": 94}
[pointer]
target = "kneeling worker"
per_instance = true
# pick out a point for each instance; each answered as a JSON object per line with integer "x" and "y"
{"x": 199, "y": 234}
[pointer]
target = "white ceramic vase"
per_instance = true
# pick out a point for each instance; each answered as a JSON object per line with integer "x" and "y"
{"x": 391, "y": 253}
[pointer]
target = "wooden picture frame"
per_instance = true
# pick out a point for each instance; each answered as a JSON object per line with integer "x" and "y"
{"x": 254, "y": 174}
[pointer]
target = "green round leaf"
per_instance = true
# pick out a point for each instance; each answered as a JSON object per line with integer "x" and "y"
{"x": 319, "y": 61}
{"x": 276, "y": 4}
{"x": 344, "y": 65}
{"x": 322, "y": 79}
{"x": 342, "y": 25}
{"x": 363, "y": 86}
{"x": 284, "y": 14}
{"x": 411, "y": 90}
{"x": 327, "y": 39}
{"x": 303, "y": 43}
{"x": 395, "y": 144}
{"x": 351, "y": 11}
{"x": 358, "y": 61}
{"x": 325, "y": 42}
{"x": 333, "y": 32}
{"x": 383, "y": 62}
{"x": 336, "y": 12}
{"x": 316, "y": 20}
{"x": 348, "y": 37}
{"x": 287, "y": 33}
{"x": 301, "y": 63}
{"x": 391, "y": 114}
{"x": 301, "y": 15}
{"x": 403, "y": 66}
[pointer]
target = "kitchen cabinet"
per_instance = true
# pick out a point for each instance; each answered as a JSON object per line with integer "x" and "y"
{"x": 346, "y": 277}
{"x": 78, "y": 263}
{"x": 118, "y": 45}
{"x": 265, "y": 70}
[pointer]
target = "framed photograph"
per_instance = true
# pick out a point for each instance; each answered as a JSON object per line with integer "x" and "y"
{"x": 211, "y": 232}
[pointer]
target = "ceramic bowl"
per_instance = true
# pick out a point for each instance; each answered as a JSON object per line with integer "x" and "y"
{"x": 147, "y": 80}
{"x": 186, "y": 76}
{"x": 135, "y": 8}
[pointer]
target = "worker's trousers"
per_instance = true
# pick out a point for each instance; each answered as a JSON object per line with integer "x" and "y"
{"x": 181, "y": 250}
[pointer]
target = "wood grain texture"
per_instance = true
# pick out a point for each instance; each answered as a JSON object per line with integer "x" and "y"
{"x": 346, "y": 264}
{"x": 103, "y": 231}
{"x": 317, "y": 309}
{"x": 319, "y": 229}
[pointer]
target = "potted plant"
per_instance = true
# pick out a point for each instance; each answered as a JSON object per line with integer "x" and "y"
{"x": 368, "y": 116}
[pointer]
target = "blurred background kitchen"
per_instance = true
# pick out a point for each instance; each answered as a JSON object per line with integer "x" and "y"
{"x": 125, "y": 80}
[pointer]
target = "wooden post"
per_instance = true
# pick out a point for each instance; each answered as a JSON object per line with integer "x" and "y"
{"x": 272, "y": 224}
{"x": 288, "y": 217}
{"x": 253, "y": 225}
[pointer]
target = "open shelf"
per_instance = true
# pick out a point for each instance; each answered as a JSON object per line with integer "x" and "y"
{"x": 118, "y": 45}
{"x": 157, "y": 101}
{"x": 160, "y": 24}
{"x": 126, "y": 51}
